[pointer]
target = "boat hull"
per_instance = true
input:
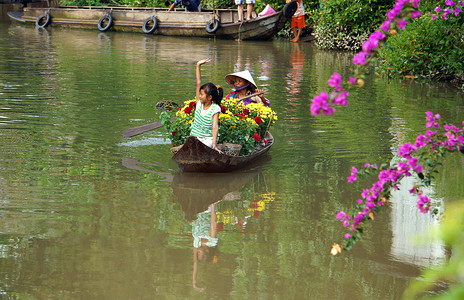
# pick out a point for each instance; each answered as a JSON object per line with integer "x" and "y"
{"x": 194, "y": 156}
{"x": 173, "y": 23}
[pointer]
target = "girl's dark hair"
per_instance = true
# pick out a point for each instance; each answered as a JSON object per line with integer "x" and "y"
{"x": 213, "y": 91}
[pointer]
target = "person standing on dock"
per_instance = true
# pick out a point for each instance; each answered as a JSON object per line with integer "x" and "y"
{"x": 190, "y": 5}
{"x": 250, "y": 4}
{"x": 298, "y": 21}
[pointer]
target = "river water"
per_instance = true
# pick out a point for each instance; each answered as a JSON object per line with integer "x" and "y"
{"x": 86, "y": 213}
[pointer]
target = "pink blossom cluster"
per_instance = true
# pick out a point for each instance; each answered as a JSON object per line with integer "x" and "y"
{"x": 324, "y": 103}
{"x": 372, "y": 197}
{"x": 424, "y": 203}
{"x": 454, "y": 137}
{"x": 388, "y": 178}
{"x": 343, "y": 217}
{"x": 352, "y": 177}
{"x": 452, "y": 8}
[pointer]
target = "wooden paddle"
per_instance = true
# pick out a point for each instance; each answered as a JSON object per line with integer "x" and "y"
{"x": 147, "y": 127}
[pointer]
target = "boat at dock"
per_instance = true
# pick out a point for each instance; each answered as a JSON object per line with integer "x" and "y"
{"x": 218, "y": 23}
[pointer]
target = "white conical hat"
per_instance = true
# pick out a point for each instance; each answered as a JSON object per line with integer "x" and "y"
{"x": 243, "y": 74}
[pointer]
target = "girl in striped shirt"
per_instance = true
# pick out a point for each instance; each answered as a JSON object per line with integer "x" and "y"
{"x": 205, "y": 124}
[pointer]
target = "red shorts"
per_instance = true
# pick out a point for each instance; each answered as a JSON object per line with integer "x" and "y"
{"x": 298, "y": 22}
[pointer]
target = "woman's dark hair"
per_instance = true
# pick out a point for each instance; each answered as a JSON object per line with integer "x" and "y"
{"x": 213, "y": 91}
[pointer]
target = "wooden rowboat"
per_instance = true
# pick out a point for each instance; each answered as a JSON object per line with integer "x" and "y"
{"x": 194, "y": 156}
{"x": 220, "y": 23}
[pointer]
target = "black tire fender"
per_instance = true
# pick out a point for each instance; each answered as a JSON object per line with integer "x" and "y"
{"x": 107, "y": 17}
{"x": 290, "y": 8}
{"x": 145, "y": 25}
{"x": 212, "y": 26}
{"x": 43, "y": 20}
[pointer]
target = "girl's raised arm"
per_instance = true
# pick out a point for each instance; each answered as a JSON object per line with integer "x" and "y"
{"x": 199, "y": 63}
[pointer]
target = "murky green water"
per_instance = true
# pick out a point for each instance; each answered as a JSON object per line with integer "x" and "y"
{"x": 88, "y": 214}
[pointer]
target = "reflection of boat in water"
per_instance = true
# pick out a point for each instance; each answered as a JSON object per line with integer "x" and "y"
{"x": 195, "y": 192}
{"x": 220, "y": 23}
{"x": 194, "y": 156}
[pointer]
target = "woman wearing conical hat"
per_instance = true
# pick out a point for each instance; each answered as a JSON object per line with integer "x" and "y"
{"x": 243, "y": 84}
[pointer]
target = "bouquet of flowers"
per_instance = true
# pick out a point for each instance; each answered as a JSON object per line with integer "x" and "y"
{"x": 238, "y": 124}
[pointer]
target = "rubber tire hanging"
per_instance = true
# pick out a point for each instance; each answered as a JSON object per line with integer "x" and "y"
{"x": 102, "y": 19}
{"x": 212, "y": 26}
{"x": 38, "y": 22}
{"x": 290, "y": 8}
{"x": 153, "y": 28}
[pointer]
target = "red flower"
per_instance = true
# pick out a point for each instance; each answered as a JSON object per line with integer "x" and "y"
{"x": 223, "y": 109}
{"x": 220, "y": 227}
{"x": 169, "y": 108}
{"x": 246, "y": 111}
{"x": 256, "y": 213}
{"x": 254, "y": 205}
{"x": 258, "y": 120}
{"x": 265, "y": 141}
{"x": 188, "y": 110}
{"x": 179, "y": 108}
{"x": 241, "y": 116}
{"x": 174, "y": 133}
{"x": 192, "y": 104}
{"x": 174, "y": 144}
{"x": 256, "y": 137}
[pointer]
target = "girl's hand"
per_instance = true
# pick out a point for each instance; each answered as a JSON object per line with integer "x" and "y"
{"x": 215, "y": 148}
{"x": 203, "y": 61}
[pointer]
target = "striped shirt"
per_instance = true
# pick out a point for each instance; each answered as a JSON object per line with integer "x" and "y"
{"x": 202, "y": 125}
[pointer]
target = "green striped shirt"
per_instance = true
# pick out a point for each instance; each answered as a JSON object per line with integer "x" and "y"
{"x": 202, "y": 125}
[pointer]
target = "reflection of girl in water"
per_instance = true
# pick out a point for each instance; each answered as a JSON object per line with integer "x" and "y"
{"x": 204, "y": 240}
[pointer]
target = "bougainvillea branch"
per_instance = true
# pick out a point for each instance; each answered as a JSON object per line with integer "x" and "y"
{"x": 397, "y": 18}
{"x": 420, "y": 158}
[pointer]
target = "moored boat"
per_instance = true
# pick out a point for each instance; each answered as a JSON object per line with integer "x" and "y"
{"x": 194, "y": 156}
{"x": 220, "y": 23}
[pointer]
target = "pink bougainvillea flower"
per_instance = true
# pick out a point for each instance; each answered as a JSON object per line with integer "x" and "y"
{"x": 415, "y": 3}
{"x": 370, "y": 45}
{"x": 437, "y": 9}
{"x": 457, "y": 11}
{"x": 415, "y": 14}
{"x": 377, "y": 36}
{"x": 360, "y": 58}
{"x": 423, "y": 204}
{"x": 352, "y": 80}
{"x": 335, "y": 80}
{"x": 341, "y": 99}
{"x": 385, "y": 26}
{"x": 434, "y": 17}
{"x": 450, "y": 3}
{"x": 406, "y": 149}
{"x": 352, "y": 177}
{"x": 321, "y": 103}
{"x": 402, "y": 24}
{"x": 347, "y": 236}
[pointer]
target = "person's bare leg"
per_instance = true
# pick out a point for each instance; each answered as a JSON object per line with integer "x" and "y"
{"x": 240, "y": 12}
{"x": 294, "y": 35}
{"x": 297, "y": 38}
{"x": 249, "y": 11}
